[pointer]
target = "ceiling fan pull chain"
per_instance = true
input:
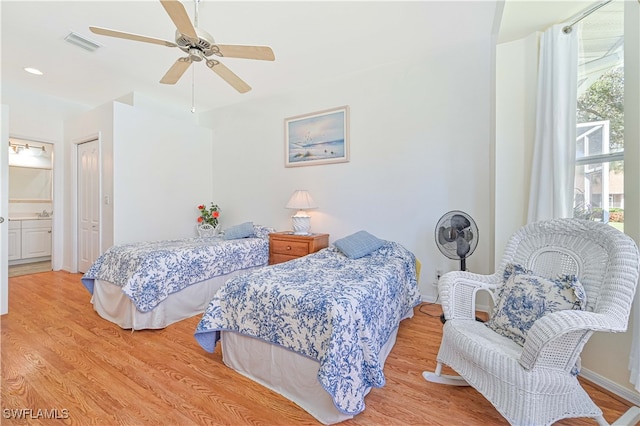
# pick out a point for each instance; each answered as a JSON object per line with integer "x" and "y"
{"x": 193, "y": 90}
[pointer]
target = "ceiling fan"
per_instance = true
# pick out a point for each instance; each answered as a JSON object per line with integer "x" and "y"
{"x": 198, "y": 45}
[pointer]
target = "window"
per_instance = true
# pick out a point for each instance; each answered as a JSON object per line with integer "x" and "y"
{"x": 599, "y": 175}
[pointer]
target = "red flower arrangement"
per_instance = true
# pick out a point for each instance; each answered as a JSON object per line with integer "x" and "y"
{"x": 209, "y": 215}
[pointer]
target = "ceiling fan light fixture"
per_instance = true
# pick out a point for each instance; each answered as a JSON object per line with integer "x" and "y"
{"x": 195, "y": 54}
{"x": 81, "y": 41}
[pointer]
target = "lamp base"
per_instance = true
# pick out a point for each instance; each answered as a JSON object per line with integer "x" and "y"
{"x": 301, "y": 224}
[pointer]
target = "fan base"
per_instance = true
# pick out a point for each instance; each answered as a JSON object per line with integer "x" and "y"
{"x": 443, "y": 320}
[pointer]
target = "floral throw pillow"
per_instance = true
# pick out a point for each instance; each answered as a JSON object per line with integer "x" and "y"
{"x": 525, "y": 297}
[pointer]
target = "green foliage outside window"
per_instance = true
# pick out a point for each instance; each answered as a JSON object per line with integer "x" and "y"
{"x": 604, "y": 100}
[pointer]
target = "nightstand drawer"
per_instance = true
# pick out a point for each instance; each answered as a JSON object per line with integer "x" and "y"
{"x": 286, "y": 246}
{"x": 290, "y": 248}
{"x": 279, "y": 258}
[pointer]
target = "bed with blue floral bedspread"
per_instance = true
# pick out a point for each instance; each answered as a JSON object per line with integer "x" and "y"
{"x": 327, "y": 307}
{"x": 148, "y": 273}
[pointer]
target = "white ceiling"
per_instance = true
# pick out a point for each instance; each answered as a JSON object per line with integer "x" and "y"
{"x": 523, "y": 17}
{"x": 602, "y": 34}
{"x": 313, "y": 41}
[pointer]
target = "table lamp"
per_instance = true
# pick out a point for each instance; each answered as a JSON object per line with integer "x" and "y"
{"x": 301, "y": 221}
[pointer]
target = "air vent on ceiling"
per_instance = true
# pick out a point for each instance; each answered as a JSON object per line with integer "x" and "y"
{"x": 83, "y": 42}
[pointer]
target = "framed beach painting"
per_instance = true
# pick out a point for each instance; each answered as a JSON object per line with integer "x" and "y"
{"x": 318, "y": 138}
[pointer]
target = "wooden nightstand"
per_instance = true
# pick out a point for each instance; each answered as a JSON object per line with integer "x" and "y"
{"x": 284, "y": 246}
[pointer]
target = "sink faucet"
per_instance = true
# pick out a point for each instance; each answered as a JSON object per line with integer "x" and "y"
{"x": 43, "y": 214}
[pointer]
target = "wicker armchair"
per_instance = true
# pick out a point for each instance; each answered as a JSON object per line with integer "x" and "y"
{"x": 536, "y": 384}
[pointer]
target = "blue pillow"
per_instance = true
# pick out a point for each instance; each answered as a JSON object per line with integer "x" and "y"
{"x": 243, "y": 230}
{"x": 357, "y": 245}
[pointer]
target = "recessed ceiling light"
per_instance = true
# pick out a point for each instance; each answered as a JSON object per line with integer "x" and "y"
{"x": 33, "y": 71}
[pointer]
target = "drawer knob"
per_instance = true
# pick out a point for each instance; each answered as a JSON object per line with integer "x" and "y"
{"x": 288, "y": 247}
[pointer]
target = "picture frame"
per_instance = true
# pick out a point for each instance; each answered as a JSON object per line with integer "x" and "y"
{"x": 316, "y": 138}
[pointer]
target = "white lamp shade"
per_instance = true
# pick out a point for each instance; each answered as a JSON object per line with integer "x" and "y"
{"x": 301, "y": 200}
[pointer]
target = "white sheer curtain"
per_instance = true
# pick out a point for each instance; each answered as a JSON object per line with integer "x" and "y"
{"x": 553, "y": 171}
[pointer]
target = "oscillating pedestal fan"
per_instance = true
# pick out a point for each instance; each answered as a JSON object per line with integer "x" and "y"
{"x": 456, "y": 237}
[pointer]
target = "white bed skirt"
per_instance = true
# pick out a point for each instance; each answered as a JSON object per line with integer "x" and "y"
{"x": 113, "y": 305}
{"x": 291, "y": 375}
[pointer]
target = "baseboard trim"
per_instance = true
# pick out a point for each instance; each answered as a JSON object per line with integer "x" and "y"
{"x": 430, "y": 299}
{"x": 627, "y": 394}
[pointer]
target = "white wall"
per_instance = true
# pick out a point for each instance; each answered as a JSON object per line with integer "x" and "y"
{"x": 420, "y": 146}
{"x": 142, "y": 101}
{"x": 516, "y": 83}
{"x": 161, "y": 172}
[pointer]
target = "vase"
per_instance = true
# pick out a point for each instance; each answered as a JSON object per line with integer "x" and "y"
{"x": 208, "y": 230}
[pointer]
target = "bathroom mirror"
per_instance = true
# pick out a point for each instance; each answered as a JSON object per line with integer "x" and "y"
{"x": 29, "y": 184}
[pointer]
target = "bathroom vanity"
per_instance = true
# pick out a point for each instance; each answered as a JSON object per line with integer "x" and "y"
{"x": 29, "y": 240}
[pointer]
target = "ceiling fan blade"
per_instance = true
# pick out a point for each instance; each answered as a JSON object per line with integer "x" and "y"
{"x": 263, "y": 53}
{"x": 228, "y": 76}
{"x": 175, "y": 72}
{"x": 131, "y": 36}
{"x": 180, "y": 18}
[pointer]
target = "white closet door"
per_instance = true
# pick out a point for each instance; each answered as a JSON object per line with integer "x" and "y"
{"x": 88, "y": 204}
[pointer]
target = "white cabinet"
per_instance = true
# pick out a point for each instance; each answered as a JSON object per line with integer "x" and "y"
{"x": 29, "y": 240}
{"x": 36, "y": 238}
{"x": 15, "y": 239}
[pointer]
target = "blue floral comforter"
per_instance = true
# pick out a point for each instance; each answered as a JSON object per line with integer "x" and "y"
{"x": 325, "y": 306}
{"x": 149, "y": 272}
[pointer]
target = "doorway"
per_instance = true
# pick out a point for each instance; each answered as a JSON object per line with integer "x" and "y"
{"x": 30, "y": 208}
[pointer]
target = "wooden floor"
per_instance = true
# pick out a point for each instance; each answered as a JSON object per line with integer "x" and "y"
{"x": 59, "y": 355}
